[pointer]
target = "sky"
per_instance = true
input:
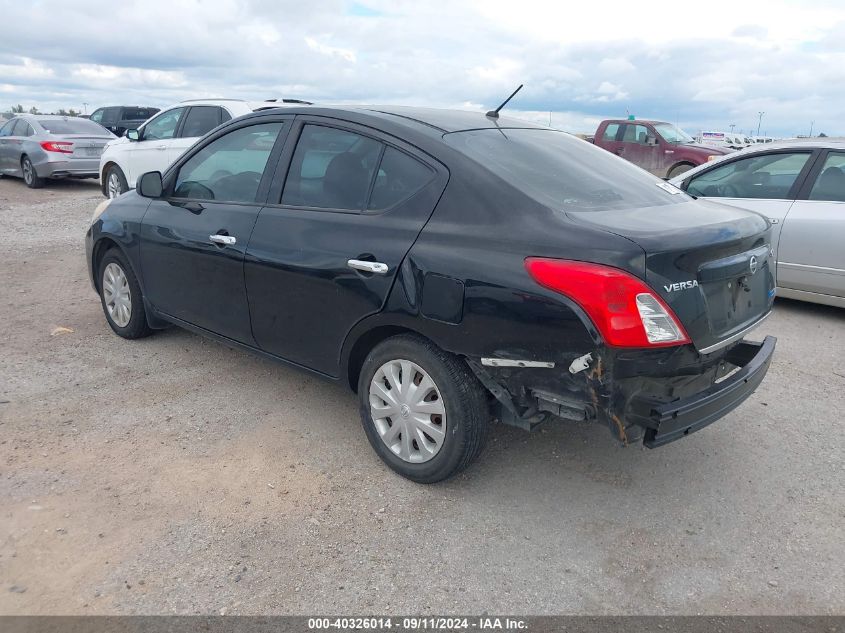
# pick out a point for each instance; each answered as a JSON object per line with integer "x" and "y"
{"x": 702, "y": 65}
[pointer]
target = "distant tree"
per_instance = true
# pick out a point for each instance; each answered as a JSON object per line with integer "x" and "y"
{"x": 62, "y": 112}
{"x": 72, "y": 112}
{"x": 822, "y": 135}
{"x": 18, "y": 109}
{"x": 34, "y": 110}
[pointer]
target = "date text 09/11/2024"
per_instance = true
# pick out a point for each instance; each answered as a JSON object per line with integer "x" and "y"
{"x": 415, "y": 624}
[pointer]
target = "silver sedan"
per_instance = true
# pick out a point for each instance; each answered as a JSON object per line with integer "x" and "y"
{"x": 800, "y": 187}
{"x": 39, "y": 146}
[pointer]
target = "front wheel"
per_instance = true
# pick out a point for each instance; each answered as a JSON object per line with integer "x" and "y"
{"x": 115, "y": 182}
{"x": 677, "y": 170}
{"x": 120, "y": 295}
{"x": 30, "y": 176}
{"x": 423, "y": 411}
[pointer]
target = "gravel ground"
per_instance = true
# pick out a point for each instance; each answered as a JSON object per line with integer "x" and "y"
{"x": 175, "y": 475}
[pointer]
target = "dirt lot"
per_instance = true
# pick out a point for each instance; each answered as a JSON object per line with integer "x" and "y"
{"x": 175, "y": 475}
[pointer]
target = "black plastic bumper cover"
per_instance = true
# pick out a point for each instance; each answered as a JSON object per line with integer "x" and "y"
{"x": 674, "y": 420}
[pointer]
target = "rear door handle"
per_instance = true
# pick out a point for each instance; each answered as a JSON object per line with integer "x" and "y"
{"x": 161, "y": 147}
{"x": 368, "y": 267}
{"x": 225, "y": 240}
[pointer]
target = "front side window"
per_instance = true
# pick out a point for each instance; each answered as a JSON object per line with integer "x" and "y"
{"x": 200, "y": 120}
{"x": 97, "y": 116}
{"x": 762, "y": 176}
{"x": 610, "y": 132}
{"x": 830, "y": 185}
{"x": 230, "y": 167}
{"x": 635, "y": 134}
{"x": 331, "y": 169}
{"x": 6, "y": 130}
{"x": 163, "y": 126}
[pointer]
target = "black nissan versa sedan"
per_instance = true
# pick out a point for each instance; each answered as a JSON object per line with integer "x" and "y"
{"x": 452, "y": 268}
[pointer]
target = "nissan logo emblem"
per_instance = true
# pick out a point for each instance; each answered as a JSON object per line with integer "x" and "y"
{"x": 752, "y": 264}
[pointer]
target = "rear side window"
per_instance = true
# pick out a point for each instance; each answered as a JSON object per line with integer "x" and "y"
{"x": 72, "y": 126}
{"x": 331, "y": 169}
{"x": 230, "y": 167}
{"x": 610, "y": 132}
{"x": 562, "y": 171}
{"x": 164, "y": 125}
{"x": 830, "y": 185}
{"x": 399, "y": 177}
{"x": 200, "y": 120}
{"x": 138, "y": 114}
{"x": 761, "y": 176}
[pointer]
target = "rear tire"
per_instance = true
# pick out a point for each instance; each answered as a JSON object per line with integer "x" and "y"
{"x": 30, "y": 176}
{"x": 115, "y": 182}
{"x": 121, "y": 298}
{"x": 438, "y": 445}
{"x": 677, "y": 170}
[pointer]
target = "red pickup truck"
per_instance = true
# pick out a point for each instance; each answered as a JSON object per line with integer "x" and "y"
{"x": 656, "y": 146}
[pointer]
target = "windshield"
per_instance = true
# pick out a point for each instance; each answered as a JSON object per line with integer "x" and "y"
{"x": 73, "y": 126}
{"x": 672, "y": 134}
{"x": 562, "y": 171}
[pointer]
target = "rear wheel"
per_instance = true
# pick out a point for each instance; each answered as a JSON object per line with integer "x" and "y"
{"x": 115, "y": 182}
{"x": 121, "y": 298}
{"x": 30, "y": 176}
{"x": 677, "y": 170}
{"x": 423, "y": 411}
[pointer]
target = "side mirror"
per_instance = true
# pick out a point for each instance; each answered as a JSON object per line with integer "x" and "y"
{"x": 650, "y": 140}
{"x": 149, "y": 185}
{"x": 133, "y": 135}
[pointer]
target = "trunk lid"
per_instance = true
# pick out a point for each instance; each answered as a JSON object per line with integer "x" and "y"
{"x": 84, "y": 145}
{"x": 711, "y": 263}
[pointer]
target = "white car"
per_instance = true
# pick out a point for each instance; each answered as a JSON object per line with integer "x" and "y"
{"x": 165, "y": 136}
{"x": 800, "y": 187}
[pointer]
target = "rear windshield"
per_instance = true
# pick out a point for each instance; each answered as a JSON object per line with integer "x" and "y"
{"x": 138, "y": 114}
{"x": 72, "y": 126}
{"x": 563, "y": 171}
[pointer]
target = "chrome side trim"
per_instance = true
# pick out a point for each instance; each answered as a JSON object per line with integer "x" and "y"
{"x": 507, "y": 362}
{"x": 734, "y": 337}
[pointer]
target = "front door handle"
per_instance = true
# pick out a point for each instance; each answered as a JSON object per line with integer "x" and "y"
{"x": 225, "y": 240}
{"x": 368, "y": 267}
{"x": 161, "y": 147}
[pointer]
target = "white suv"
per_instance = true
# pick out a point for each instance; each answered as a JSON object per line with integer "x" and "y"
{"x": 163, "y": 138}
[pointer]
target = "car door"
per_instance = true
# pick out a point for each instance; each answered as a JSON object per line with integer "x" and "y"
{"x": 199, "y": 121}
{"x": 765, "y": 182}
{"x": 5, "y": 145}
{"x": 609, "y": 138}
{"x": 325, "y": 255}
{"x": 110, "y": 119}
{"x": 193, "y": 238}
{"x": 13, "y": 144}
{"x": 812, "y": 243}
{"x": 634, "y": 147}
{"x": 151, "y": 151}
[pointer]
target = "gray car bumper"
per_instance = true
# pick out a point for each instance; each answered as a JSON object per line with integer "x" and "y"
{"x": 71, "y": 168}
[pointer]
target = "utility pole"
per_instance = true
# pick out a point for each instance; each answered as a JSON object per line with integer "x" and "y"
{"x": 733, "y": 125}
{"x": 84, "y": 108}
{"x": 812, "y": 123}
{"x": 759, "y": 121}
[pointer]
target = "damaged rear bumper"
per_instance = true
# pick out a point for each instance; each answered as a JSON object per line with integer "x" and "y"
{"x": 667, "y": 422}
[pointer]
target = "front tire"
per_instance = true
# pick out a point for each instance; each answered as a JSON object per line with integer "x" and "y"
{"x": 424, "y": 412}
{"x": 121, "y": 298}
{"x": 30, "y": 176}
{"x": 115, "y": 182}
{"x": 677, "y": 170}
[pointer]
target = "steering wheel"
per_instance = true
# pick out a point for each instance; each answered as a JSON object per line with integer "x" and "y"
{"x": 220, "y": 173}
{"x": 730, "y": 191}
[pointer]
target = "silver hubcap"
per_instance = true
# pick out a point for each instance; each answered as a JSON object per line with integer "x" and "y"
{"x": 114, "y": 185}
{"x": 116, "y": 295}
{"x": 408, "y": 411}
{"x": 27, "y": 171}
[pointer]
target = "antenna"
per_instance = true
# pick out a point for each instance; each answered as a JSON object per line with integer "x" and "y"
{"x": 494, "y": 114}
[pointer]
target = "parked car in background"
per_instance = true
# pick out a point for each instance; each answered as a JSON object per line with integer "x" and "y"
{"x": 118, "y": 119}
{"x": 39, "y": 146}
{"x": 730, "y": 140}
{"x": 800, "y": 187}
{"x": 162, "y": 139}
{"x": 450, "y": 267}
{"x": 659, "y": 147}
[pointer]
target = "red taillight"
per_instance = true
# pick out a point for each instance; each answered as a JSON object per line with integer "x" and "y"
{"x": 63, "y": 147}
{"x": 625, "y": 310}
